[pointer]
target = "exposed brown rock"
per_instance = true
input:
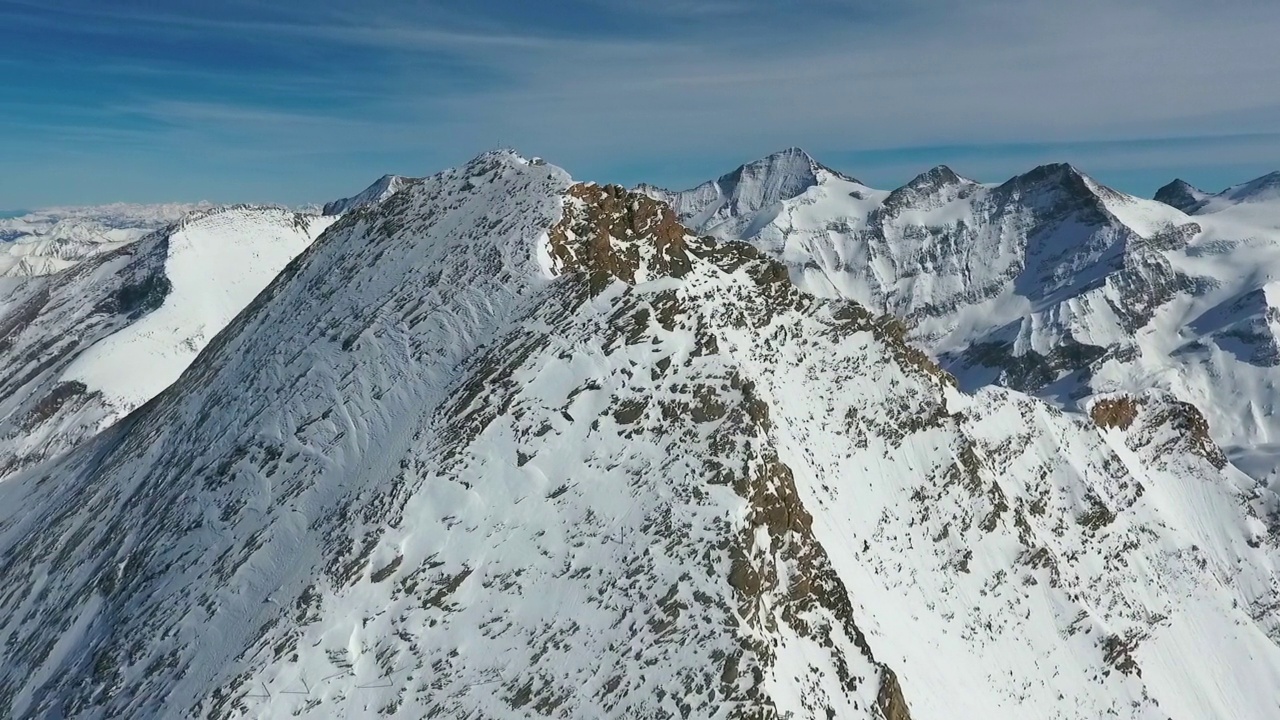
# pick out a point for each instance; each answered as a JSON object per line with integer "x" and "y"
{"x": 603, "y": 235}
{"x": 1117, "y": 651}
{"x": 1192, "y": 427}
{"x": 1115, "y": 412}
{"x": 1189, "y": 427}
{"x": 890, "y": 700}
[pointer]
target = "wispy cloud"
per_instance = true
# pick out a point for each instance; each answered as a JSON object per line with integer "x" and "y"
{"x": 668, "y": 87}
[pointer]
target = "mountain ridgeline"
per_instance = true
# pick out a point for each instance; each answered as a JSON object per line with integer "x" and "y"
{"x": 495, "y": 443}
{"x": 1049, "y": 283}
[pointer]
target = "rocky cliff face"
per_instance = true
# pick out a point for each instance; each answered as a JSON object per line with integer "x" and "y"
{"x": 1181, "y": 195}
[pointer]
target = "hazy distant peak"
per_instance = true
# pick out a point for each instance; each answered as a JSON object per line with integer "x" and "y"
{"x": 1266, "y": 187}
{"x": 381, "y": 189}
{"x": 938, "y": 184}
{"x": 1180, "y": 194}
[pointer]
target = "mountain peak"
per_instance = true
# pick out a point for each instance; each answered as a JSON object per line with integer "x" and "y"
{"x": 937, "y": 177}
{"x": 381, "y": 189}
{"x": 937, "y": 184}
{"x": 747, "y": 189}
{"x": 1052, "y": 172}
{"x": 1058, "y": 178}
{"x": 793, "y": 159}
{"x": 1193, "y": 201}
{"x": 941, "y": 171}
{"x": 1180, "y": 194}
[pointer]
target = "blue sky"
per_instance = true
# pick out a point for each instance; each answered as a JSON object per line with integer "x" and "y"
{"x": 246, "y": 100}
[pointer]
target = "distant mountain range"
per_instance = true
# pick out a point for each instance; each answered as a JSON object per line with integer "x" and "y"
{"x": 1049, "y": 283}
{"x": 497, "y": 443}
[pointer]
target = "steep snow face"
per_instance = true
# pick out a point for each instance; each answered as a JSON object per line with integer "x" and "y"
{"x": 736, "y": 197}
{"x": 216, "y": 263}
{"x": 945, "y": 253}
{"x": 1056, "y": 284}
{"x": 88, "y": 345}
{"x": 382, "y": 188}
{"x": 505, "y": 445}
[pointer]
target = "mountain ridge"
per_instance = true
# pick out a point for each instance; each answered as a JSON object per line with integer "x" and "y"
{"x": 507, "y": 444}
{"x": 381, "y": 189}
{"x": 1051, "y": 282}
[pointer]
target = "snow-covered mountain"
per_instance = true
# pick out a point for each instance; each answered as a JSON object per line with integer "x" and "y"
{"x": 1182, "y": 195}
{"x": 47, "y": 241}
{"x": 381, "y": 189}
{"x": 506, "y": 446}
{"x": 734, "y": 199}
{"x": 90, "y": 343}
{"x": 1053, "y": 283}
{"x": 1256, "y": 202}
{"x": 85, "y": 346}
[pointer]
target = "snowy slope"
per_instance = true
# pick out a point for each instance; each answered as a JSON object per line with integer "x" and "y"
{"x": 505, "y": 446}
{"x": 738, "y": 196}
{"x": 1256, "y": 203}
{"x": 1051, "y": 282}
{"x": 44, "y": 242}
{"x": 87, "y": 345}
{"x": 381, "y": 189}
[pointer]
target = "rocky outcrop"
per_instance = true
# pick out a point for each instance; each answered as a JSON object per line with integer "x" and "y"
{"x": 612, "y": 234}
{"x": 1158, "y": 426}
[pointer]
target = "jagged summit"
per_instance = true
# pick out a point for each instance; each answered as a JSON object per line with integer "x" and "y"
{"x": 937, "y": 176}
{"x": 779, "y": 176}
{"x": 1061, "y": 187}
{"x": 930, "y": 188}
{"x": 1062, "y": 175}
{"x": 388, "y": 185}
{"x": 747, "y": 190}
{"x": 1180, "y": 194}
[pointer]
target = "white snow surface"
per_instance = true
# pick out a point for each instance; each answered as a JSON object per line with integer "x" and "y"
{"x": 1053, "y": 283}
{"x": 88, "y": 344}
{"x": 43, "y": 242}
{"x": 216, "y": 262}
{"x": 734, "y": 199}
{"x": 381, "y": 189}
{"x": 454, "y": 463}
